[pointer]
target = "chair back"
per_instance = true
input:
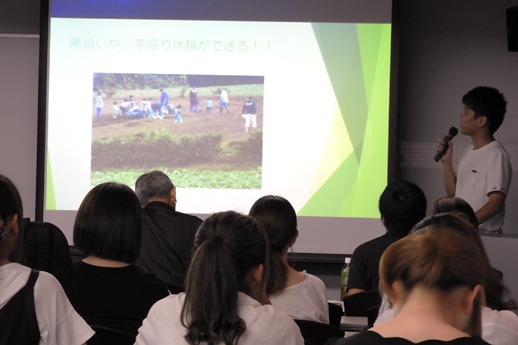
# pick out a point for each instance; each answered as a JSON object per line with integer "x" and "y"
{"x": 358, "y": 304}
{"x": 335, "y": 314}
{"x": 317, "y": 333}
{"x": 46, "y": 249}
{"x": 108, "y": 336}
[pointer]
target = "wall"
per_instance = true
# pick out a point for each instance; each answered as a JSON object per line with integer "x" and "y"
{"x": 446, "y": 48}
{"x": 19, "y": 49}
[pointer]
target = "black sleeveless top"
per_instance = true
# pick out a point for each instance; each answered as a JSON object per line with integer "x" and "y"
{"x": 18, "y": 316}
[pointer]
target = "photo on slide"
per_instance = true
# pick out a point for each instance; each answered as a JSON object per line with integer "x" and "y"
{"x": 203, "y": 131}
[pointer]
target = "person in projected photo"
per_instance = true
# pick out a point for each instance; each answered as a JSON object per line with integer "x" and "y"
{"x": 194, "y": 103}
{"x": 223, "y": 100}
{"x": 300, "y": 295}
{"x": 34, "y": 308}
{"x": 99, "y": 105}
{"x": 156, "y": 107}
{"x": 178, "y": 114}
{"x": 208, "y": 106}
{"x": 125, "y": 106}
{"x": 115, "y": 110}
{"x": 250, "y": 113}
{"x": 225, "y": 301}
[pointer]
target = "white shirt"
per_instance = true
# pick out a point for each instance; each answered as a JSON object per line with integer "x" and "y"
{"x": 264, "y": 324}
{"x": 58, "y": 322}
{"x": 304, "y": 301}
{"x": 223, "y": 96}
{"x": 480, "y": 172}
{"x": 498, "y": 327}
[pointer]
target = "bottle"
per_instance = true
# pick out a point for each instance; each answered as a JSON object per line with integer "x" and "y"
{"x": 344, "y": 278}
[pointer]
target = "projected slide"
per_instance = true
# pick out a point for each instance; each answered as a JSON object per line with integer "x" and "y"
{"x": 319, "y": 134}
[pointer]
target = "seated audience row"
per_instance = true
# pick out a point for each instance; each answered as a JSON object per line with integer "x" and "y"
{"x": 499, "y": 323}
{"x": 225, "y": 299}
{"x": 231, "y": 280}
{"x": 435, "y": 284}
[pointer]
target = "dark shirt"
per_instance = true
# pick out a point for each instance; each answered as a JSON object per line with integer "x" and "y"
{"x": 116, "y": 294}
{"x": 167, "y": 242}
{"x": 364, "y": 267}
{"x": 369, "y": 337}
{"x": 249, "y": 107}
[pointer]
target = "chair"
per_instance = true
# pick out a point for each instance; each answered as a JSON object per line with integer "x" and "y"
{"x": 335, "y": 314}
{"x": 358, "y": 304}
{"x": 372, "y": 315}
{"x": 46, "y": 249}
{"x": 317, "y": 333}
{"x": 112, "y": 331}
{"x": 110, "y": 336}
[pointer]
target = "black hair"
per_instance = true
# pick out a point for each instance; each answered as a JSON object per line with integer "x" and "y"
{"x": 109, "y": 224}
{"x": 10, "y": 205}
{"x": 402, "y": 204}
{"x": 279, "y": 220}
{"x": 227, "y": 247}
{"x": 488, "y": 102}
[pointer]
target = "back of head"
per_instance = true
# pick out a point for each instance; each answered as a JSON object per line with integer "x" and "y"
{"x": 488, "y": 102}
{"x": 460, "y": 223}
{"x": 109, "y": 224}
{"x": 279, "y": 220}
{"x": 227, "y": 247}
{"x": 402, "y": 204}
{"x": 456, "y": 206}
{"x": 10, "y": 205}
{"x": 154, "y": 184}
{"x": 440, "y": 260}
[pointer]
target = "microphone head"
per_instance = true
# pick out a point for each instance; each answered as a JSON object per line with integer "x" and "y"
{"x": 453, "y": 132}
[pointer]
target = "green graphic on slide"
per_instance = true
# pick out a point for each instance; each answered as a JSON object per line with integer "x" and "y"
{"x": 50, "y": 195}
{"x": 360, "y": 76}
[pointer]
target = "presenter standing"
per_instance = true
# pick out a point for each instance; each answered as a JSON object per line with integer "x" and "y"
{"x": 484, "y": 173}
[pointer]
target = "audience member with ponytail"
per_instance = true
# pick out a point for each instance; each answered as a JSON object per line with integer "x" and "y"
{"x": 435, "y": 284}
{"x": 225, "y": 301}
{"x": 298, "y": 294}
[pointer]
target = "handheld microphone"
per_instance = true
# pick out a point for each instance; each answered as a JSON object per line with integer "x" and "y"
{"x": 453, "y": 132}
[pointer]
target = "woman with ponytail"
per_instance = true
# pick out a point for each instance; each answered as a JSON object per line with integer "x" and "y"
{"x": 298, "y": 294}
{"x": 225, "y": 300}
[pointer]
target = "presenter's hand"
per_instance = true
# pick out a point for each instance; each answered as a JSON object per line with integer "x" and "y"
{"x": 447, "y": 157}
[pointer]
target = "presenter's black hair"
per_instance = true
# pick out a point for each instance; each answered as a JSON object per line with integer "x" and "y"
{"x": 488, "y": 102}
